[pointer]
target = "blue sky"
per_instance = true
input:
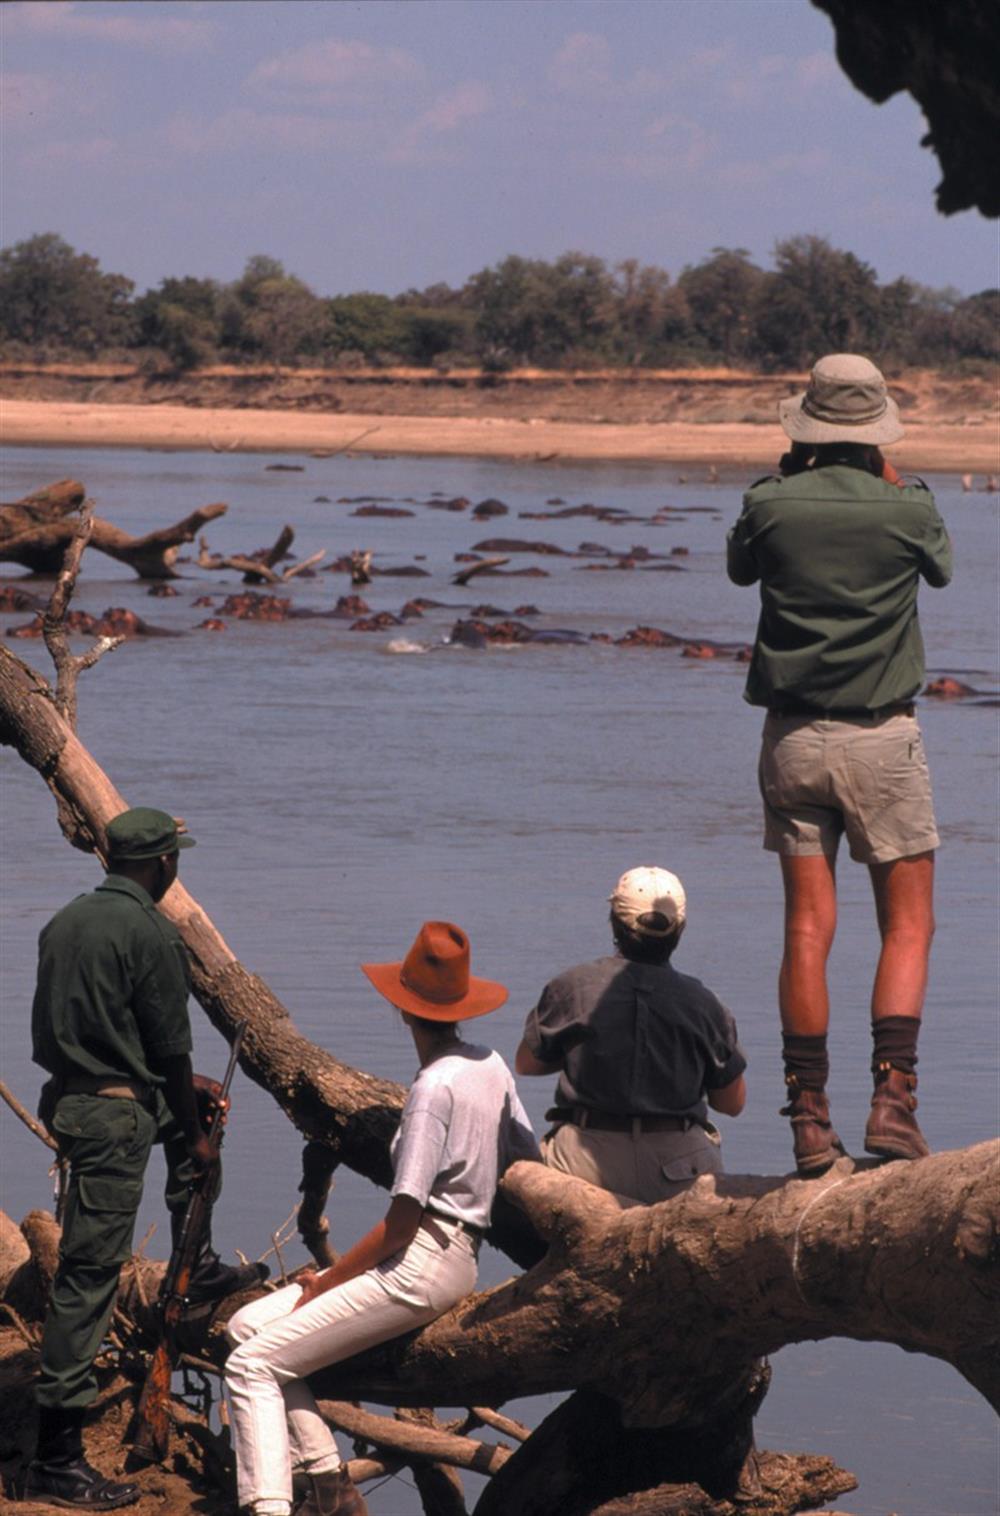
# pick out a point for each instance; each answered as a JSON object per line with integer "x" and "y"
{"x": 387, "y": 144}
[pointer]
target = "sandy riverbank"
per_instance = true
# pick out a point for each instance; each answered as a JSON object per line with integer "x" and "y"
{"x": 929, "y": 447}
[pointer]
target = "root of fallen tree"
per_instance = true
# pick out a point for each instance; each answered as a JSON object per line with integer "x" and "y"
{"x": 36, "y": 532}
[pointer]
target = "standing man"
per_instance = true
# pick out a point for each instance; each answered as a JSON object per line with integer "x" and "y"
{"x": 110, "y": 1025}
{"x": 641, "y": 1052}
{"x": 838, "y": 545}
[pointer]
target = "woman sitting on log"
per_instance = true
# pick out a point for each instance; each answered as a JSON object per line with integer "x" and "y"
{"x": 461, "y": 1126}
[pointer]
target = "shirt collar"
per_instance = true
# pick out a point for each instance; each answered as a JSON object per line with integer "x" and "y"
{"x": 122, "y": 886}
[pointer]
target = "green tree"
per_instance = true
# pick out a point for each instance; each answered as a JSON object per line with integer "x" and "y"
{"x": 528, "y": 311}
{"x": 52, "y": 296}
{"x": 819, "y": 300}
{"x": 372, "y": 326}
{"x": 652, "y": 319}
{"x": 721, "y": 294}
{"x": 271, "y": 314}
{"x": 181, "y": 318}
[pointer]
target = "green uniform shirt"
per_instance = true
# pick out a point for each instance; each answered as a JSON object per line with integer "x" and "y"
{"x": 112, "y": 987}
{"x": 838, "y": 554}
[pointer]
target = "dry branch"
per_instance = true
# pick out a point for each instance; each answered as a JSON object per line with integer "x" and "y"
{"x": 415, "y": 1440}
{"x": 31, "y": 1122}
{"x": 35, "y": 533}
{"x": 464, "y": 575}
{"x": 68, "y": 666}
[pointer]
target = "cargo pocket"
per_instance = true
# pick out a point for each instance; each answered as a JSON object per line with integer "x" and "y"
{"x": 702, "y": 1157}
{"x": 100, "y": 1218}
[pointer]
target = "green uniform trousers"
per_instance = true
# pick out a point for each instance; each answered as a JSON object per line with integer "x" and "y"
{"x": 107, "y": 1142}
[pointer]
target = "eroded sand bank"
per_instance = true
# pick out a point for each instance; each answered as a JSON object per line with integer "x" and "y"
{"x": 929, "y": 447}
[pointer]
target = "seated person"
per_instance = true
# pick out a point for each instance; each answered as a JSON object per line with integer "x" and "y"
{"x": 640, "y": 1049}
{"x": 462, "y": 1125}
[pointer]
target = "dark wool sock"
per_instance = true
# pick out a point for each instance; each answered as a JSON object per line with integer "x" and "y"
{"x": 894, "y": 1040}
{"x": 807, "y": 1059}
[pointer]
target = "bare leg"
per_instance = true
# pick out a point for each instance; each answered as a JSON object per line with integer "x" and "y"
{"x": 904, "y": 903}
{"x": 810, "y": 922}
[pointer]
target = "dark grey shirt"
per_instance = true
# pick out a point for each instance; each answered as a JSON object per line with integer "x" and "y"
{"x": 634, "y": 1039}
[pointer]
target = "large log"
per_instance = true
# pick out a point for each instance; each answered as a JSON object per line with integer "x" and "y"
{"x": 906, "y": 1253}
{"x": 35, "y": 533}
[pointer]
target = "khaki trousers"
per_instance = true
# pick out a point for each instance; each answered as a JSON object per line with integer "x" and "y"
{"x": 639, "y": 1168}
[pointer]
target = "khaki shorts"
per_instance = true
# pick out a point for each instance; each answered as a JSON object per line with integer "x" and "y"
{"x": 866, "y": 776}
{"x": 641, "y": 1169}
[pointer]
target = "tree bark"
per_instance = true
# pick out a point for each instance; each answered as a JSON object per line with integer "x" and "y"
{"x": 35, "y": 533}
{"x": 905, "y": 1253}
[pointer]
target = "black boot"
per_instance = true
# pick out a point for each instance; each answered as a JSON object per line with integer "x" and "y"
{"x": 211, "y": 1279}
{"x": 60, "y": 1475}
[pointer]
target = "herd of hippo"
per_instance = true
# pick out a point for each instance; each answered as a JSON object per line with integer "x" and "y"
{"x": 477, "y": 626}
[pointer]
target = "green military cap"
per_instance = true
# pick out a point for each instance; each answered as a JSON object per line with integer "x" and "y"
{"x": 144, "y": 833}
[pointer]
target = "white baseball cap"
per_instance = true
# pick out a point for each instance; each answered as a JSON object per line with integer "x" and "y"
{"x": 649, "y": 892}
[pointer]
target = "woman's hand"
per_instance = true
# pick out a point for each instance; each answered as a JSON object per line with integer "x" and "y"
{"x": 311, "y": 1285}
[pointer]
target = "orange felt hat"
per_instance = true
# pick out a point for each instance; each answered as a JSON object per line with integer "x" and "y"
{"x": 433, "y": 981}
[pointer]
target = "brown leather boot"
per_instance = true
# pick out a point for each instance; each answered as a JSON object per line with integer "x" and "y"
{"x": 892, "y": 1130}
{"x": 332, "y": 1493}
{"x": 816, "y": 1144}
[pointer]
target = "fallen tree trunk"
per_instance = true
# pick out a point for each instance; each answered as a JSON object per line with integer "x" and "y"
{"x": 35, "y": 533}
{"x": 905, "y": 1253}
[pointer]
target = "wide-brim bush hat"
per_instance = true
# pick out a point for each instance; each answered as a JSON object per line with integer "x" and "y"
{"x": 650, "y": 901}
{"x": 847, "y": 401}
{"x": 433, "y": 981}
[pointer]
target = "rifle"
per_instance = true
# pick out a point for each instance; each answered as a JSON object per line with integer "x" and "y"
{"x": 152, "y": 1423}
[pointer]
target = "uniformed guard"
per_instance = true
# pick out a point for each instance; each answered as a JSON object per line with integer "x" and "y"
{"x": 110, "y": 1025}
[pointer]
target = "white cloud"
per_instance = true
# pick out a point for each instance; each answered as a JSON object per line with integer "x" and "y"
{"x": 337, "y": 64}
{"x": 778, "y": 75}
{"x": 463, "y": 103}
{"x": 583, "y": 65}
{"x": 65, "y": 20}
{"x": 667, "y": 147}
{"x": 446, "y": 116}
{"x": 28, "y": 99}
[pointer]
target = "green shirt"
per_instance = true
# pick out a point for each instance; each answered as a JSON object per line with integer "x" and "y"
{"x": 839, "y": 555}
{"x": 112, "y": 989}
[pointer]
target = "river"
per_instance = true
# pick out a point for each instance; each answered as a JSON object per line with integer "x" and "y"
{"x": 344, "y": 786}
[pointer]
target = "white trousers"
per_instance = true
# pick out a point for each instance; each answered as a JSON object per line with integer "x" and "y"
{"x": 275, "y": 1421}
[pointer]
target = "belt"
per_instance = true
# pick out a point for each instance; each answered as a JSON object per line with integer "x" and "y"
{"x": 111, "y": 1088}
{"x": 476, "y": 1232}
{"x": 602, "y": 1121}
{"x": 792, "y": 707}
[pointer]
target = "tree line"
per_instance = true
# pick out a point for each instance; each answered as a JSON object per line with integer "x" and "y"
{"x": 575, "y": 312}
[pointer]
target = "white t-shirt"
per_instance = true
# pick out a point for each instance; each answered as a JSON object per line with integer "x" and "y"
{"x": 463, "y": 1124}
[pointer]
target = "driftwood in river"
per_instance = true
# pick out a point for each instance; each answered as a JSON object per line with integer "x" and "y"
{"x": 259, "y": 568}
{"x": 36, "y": 532}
